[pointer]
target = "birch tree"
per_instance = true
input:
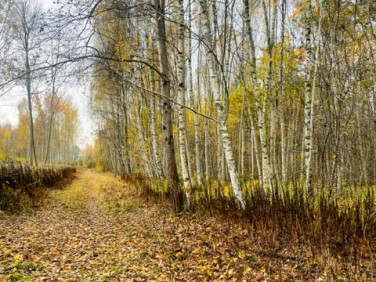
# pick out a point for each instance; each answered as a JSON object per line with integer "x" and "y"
{"x": 260, "y": 107}
{"x": 308, "y": 93}
{"x": 181, "y": 99}
{"x": 168, "y": 139}
{"x": 214, "y": 79}
{"x": 26, "y": 26}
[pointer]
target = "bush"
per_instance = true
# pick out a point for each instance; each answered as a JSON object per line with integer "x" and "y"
{"x": 22, "y": 185}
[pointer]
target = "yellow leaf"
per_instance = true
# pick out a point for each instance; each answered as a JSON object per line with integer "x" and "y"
{"x": 296, "y": 11}
{"x": 18, "y": 257}
{"x": 241, "y": 254}
{"x": 298, "y": 52}
{"x": 247, "y": 270}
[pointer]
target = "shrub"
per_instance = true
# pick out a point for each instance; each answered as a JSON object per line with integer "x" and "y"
{"x": 22, "y": 185}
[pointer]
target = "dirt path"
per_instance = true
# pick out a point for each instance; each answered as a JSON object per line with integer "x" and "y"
{"x": 94, "y": 230}
{"x": 71, "y": 238}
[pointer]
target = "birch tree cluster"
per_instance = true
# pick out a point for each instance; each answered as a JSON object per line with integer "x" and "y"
{"x": 268, "y": 92}
{"x": 56, "y": 137}
{"x": 264, "y": 93}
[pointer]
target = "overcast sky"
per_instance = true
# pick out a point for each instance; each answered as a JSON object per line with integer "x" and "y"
{"x": 78, "y": 94}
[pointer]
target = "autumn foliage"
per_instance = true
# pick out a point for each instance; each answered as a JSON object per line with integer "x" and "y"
{"x": 343, "y": 226}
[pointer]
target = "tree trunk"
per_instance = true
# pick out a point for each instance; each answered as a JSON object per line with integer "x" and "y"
{"x": 153, "y": 133}
{"x": 223, "y": 129}
{"x": 260, "y": 109}
{"x": 33, "y": 155}
{"x": 181, "y": 99}
{"x": 168, "y": 139}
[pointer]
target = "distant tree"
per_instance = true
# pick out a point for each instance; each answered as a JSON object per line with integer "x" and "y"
{"x": 26, "y": 26}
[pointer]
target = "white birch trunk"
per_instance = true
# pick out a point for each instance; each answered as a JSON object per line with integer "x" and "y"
{"x": 307, "y": 133}
{"x": 141, "y": 143}
{"x": 260, "y": 109}
{"x": 219, "y": 105}
{"x": 310, "y": 83}
{"x": 256, "y": 151}
{"x": 197, "y": 105}
{"x": 206, "y": 150}
{"x": 153, "y": 134}
{"x": 181, "y": 99}
{"x": 282, "y": 99}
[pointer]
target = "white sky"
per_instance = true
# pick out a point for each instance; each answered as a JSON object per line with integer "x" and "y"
{"x": 78, "y": 94}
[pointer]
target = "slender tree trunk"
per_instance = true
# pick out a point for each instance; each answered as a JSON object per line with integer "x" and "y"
{"x": 206, "y": 152}
{"x": 256, "y": 150}
{"x": 141, "y": 142}
{"x": 220, "y": 108}
{"x": 33, "y": 155}
{"x": 153, "y": 133}
{"x": 269, "y": 97}
{"x": 193, "y": 104}
{"x": 310, "y": 83}
{"x": 181, "y": 99}
{"x": 260, "y": 109}
{"x": 50, "y": 120}
{"x": 282, "y": 98}
{"x": 128, "y": 168}
{"x": 168, "y": 139}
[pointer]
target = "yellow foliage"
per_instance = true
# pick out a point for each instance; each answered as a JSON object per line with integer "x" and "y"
{"x": 298, "y": 52}
{"x": 297, "y": 10}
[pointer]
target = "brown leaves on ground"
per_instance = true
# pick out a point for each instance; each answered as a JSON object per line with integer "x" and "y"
{"x": 96, "y": 231}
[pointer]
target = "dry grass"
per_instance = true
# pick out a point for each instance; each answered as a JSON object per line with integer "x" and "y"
{"x": 23, "y": 186}
{"x": 329, "y": 226}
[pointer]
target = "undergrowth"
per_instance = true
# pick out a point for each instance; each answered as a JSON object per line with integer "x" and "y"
{"x": 23, "y": 186}
{"x": 341, "y": 224}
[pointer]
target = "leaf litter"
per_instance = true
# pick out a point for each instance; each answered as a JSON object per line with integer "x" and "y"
{"x": 95, "y": 230}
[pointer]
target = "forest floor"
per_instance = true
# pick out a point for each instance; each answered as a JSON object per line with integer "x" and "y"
{"x": 94, "y": 230}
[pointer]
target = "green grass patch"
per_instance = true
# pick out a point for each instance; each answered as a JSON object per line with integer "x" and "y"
{"x": 20, "y": 277}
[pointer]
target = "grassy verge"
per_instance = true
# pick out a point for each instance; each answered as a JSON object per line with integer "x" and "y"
{"x": 23, "y": 186}
{"x": 341, "y": 224}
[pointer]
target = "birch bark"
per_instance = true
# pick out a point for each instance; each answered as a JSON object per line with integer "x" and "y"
{"x": 168, "y": 139}
{"x": 187, "y": 188}
{"x": 260, "y": 109}
{"x": 207, "y": 34}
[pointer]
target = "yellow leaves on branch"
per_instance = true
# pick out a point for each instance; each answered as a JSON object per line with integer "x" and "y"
{"x": 297, "y": 11}
{"x": 298, "y": 52}
{"x": 300, "y": 7}
{"x": 301, "y": 54}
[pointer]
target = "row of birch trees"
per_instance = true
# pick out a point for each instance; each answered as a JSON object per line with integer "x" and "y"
{"x": 273, "y": 92}
{"x": 56, "y": 137}
{"x": 267, "y": 92}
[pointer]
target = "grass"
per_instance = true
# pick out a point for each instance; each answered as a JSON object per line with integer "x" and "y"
{"x": 20, "y": 277}
{"x": 101, "y": 187}
{"x": 74, "y": 197}
{"x": 116, "y": 198}
{"x": 339, "y": 223}
{"x": 23, "y": 186}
